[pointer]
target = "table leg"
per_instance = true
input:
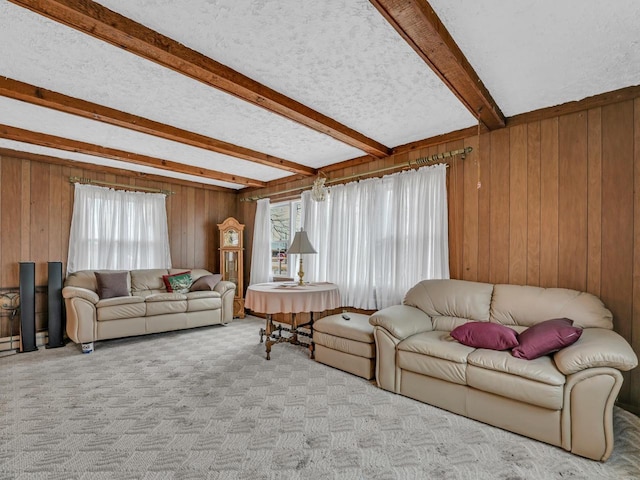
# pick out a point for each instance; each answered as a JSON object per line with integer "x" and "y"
{"x": 294, "y": 329}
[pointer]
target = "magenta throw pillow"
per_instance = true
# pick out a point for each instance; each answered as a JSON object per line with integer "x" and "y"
{"x": 545, "y": 338}
{"x": 485, "y": 335}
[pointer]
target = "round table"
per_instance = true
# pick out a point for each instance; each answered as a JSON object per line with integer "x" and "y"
{"x": 288, "y": 297}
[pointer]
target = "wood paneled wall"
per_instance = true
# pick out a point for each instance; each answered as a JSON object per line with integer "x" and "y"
{"x": 558, "y": 206}
{"x": 36, "y": 203}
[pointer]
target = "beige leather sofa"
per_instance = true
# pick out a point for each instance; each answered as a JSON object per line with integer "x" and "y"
{"x": 148, "y": 309}
{"x": 565, "y": 399}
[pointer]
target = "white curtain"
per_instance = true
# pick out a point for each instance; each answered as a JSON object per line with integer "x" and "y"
{"x": 117, "y": 230}
{"x": 379, "y": 237}
{"x": 261, "y": 248}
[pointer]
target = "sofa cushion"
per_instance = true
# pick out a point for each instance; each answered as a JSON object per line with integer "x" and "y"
{"x": 546, "y": 337}
{"x": 112, "y": 284}
{"x": 537, "y": 382}
{"x": 527, "y": 305}
{"x": 206, "y": 282}
{"x": 118, "y": 308}
{"x": 165, "y": 303}
{"x": 542, "y": 369}
{"x": 435, "y": 354}
{"x": 485, "y": 335}
{"x": 147, "y": 281}
{"x": 199, "y": 301}
{"x": 451, "y": 298}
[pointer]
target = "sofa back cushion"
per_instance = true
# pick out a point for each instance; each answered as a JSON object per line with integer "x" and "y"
{"x": 451, "y": 303}
{"x": 527, "y": 305}
{"x": 148, "y": 282}
{"x": 87, "y": 279}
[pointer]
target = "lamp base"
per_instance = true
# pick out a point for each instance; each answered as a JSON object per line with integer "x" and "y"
{"x": 300, "y": 272}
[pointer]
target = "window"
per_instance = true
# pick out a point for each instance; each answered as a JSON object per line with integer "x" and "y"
{"x": 117, "y": 230}
{"x": 286, "y": 219}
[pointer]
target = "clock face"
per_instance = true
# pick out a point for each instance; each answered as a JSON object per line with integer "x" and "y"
{"x": 231, "y": 238}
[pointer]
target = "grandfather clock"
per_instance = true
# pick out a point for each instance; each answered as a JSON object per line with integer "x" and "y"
{"x": 231, "y": 260}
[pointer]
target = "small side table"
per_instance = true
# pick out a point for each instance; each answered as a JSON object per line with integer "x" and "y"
{"x": 283, "y": 297}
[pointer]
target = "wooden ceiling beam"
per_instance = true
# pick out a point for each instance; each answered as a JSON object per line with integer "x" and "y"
{"x": 421, "y": 28}
{"x": 100, "y": 22}
{"x": 46, "y": 98}
{"x": 60, "y": 143}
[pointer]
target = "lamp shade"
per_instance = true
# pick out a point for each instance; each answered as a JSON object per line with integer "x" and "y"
{"x": 301, "y": 244}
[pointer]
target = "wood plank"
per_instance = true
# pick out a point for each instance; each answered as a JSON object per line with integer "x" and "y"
{"x": 533, "y": 203}
{"x": 499, "y": 216}
{"x": 200, "y": 230}
{"x": 572, "y": 201}
{"x": 421, "y": 28}
{"x": 10, "y": 201}
{"x": 52, "y": 141}
{"x": 66, "y": 208}
{"x": 617, "y": 219}
{"x": 484, "y": 210}
{"x": 46, "y": 98}
{"x": 56, "y": 254}
{"x": 518, "y": 205}
{"x": 594, "y": 201}
{"x": 109, "y": 26}
{"x": 39, "y": 232}
{"x": 470, "y": 215}
{"x": 188, "y": 239}
{"x": 549, "y": 203}
{"x": 456, "y": 170}
{"x": 634, "y": 384}
{"x": 25, "y": 219}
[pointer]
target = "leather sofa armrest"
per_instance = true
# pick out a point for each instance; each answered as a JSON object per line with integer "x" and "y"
{"x": 597, "y": 347}
{"x": 71, "y": 292}
{"x": 223, "y": 286}
{"x": 402, "y": 321}
{"x": 227, "y": 293}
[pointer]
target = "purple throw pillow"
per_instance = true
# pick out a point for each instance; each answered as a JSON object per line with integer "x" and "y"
{"x": 207, "y": 282}
{"x": 112, "y": 284}
{"x": 485, "y": 335}
{"x": 546, "y": 337}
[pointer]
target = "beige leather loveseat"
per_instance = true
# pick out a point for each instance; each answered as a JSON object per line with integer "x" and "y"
{"x": 148, "y": 308}
{"x": 565, "y": 398}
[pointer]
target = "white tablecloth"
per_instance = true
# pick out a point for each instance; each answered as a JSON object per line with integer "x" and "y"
{"x": 286, "y": 297}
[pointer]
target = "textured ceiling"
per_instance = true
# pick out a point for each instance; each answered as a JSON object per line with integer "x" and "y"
{"x": 339, "y": 57}
{"x": 532, "y": 54}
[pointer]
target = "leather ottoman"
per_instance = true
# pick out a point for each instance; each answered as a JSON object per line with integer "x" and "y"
{"x": 346, "y": 344}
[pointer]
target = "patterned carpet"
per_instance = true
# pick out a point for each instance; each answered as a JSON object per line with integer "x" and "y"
{"x": 205, "y": 404}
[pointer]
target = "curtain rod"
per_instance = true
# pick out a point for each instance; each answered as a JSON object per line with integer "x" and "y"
{"x": 88, "y": 181}
{"x": 418, "y": 162}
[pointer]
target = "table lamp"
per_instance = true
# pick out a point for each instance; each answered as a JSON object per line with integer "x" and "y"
{"x": 300, "y": 246}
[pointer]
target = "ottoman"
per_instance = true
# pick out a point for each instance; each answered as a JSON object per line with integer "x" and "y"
{"x": 346, "y": 344}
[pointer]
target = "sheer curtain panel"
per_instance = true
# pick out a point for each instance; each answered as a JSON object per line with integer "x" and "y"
{"x": 261, "y": 248}
{"x": 379, "y": 237}
{"x": 117, "y": 230}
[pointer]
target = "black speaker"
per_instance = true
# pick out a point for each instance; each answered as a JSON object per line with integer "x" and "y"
{"x": 56, "y": 320}
{"x": 28, "y": 307}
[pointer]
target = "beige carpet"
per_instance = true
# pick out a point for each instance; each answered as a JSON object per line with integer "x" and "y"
{"x": 205, "y": 404}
